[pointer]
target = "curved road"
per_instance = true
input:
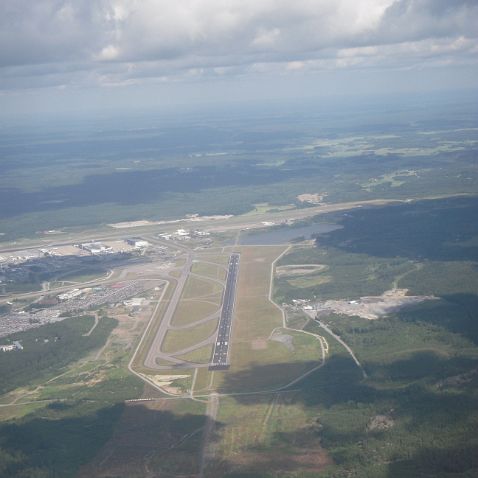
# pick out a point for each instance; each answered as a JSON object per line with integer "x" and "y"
{"x": 155, "y": 350}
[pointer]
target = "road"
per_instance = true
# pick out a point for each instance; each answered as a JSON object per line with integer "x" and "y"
{"x": 220, "y": 356}
{"x": 208, "y": 447}
{"x": 155, "y": 350}
{"x": 312, "y": 315}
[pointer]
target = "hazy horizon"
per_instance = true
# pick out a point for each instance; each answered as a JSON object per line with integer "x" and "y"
{"x": 118, "y": 55}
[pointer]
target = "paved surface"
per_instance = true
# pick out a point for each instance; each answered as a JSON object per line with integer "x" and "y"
{"x": 220, "y": 356}
{"x": 155, "y": 350}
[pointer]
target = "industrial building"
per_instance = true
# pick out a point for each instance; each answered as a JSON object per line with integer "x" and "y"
{"x": 70, "y": 294}
{"x": 96, "y": 248}
{"x": 137, "y": 242}
{"x": 16, "y": 345}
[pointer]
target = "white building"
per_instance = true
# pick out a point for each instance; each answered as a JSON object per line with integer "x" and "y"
{"x": 137, "y": 243}
{"x": 16, "y": 345}
{"x": 134, "y": 302}
{"x": 70, "y": 294}
{"x": 202, "y": 233}
{"x": 96, "y": 248}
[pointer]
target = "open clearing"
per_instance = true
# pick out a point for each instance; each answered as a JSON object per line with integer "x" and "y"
{"x": 198, "y": 287}
{"x": 200, "y": 355}
{"x": 309, "y": 281}
{"x": 373, "y": 308}
{"x": 190, "y": 311}
{"x": 299, "y": 269}
{"x": 263, "y": 208}
{"x": 275, "y": 434}
{"x": 207, "y": 269}
{"x": 177, "y": 340}
{"x": 303, "y": 275}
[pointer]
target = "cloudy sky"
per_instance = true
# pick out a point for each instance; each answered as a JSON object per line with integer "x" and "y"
{"x": 65, "y": 53}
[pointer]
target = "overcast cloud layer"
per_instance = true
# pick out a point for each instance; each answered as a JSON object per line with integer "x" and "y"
{"x": 91, "y": 43}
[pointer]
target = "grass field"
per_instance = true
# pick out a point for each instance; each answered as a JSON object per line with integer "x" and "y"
{"x": 261, "y": 208}
{"x": 201, "y": 355}
{"x": 200, "y": 288}
{"x": 209, "y": 270}
{"x": 271, "y": 436}
{"x": 202, "y": 295}
{"x": 189, "y": 311}
{"x": 309, "y": 281}
{"x": 203, "y": 380}
{"x": 176, "y": 340}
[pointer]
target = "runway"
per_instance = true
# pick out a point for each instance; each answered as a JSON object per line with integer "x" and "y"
{"x": 220, "y": 356}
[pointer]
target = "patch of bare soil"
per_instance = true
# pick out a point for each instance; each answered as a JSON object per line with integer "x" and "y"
{"x": 373, "y": 307}
{"x": 300, "y": 269}
{"x": 314, "y": 198}
{"x": 285, "y": 339}
{"x": 380, "y": 423}
{"x": 259, "y": 344}
{"x": 457, "y": 380}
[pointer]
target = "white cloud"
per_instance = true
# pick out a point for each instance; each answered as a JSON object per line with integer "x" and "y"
{"x": 266, "y": 38}
{"x": 108, "y": 53}
{"x": 124, "y": 40}
{"x": 295, "y": 65}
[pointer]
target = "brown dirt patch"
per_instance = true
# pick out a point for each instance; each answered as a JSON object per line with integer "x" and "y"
{"x": 259, "y": 344}
{"x": 373, "y": 307}
{"x": 380, "y": 423}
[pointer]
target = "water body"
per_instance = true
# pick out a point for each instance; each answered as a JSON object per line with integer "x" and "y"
{"x": 285, "y": 234}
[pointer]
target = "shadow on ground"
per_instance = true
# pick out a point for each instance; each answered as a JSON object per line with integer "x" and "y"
{"x": 423, "y": 230}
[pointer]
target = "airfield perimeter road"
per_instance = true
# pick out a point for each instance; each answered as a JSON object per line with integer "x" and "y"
{"x": 155, "y": 350}
{"x": 220, "y": 356}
